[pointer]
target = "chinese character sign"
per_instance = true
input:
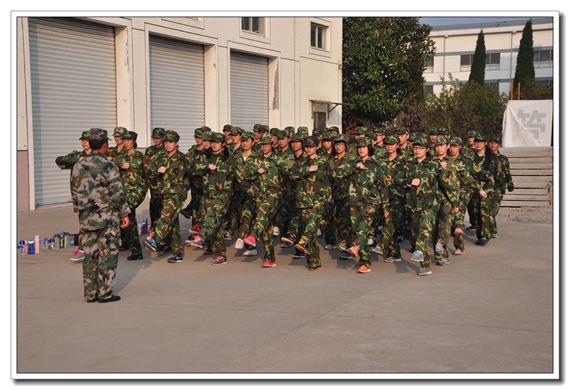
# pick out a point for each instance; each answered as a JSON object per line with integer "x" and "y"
{"x": 527, "y": 123}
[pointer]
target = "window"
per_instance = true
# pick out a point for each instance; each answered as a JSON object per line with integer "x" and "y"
{"x": 492, "y": 84}
{"x": 320, "y": 120}
{"x": 254, "y": 25}
{"x": 429, "y": 65}
{"x": 545, "y": 83}
{"x": 493, "y": 61}
{"x": 466, "y": 60}
{"x": 318, "y": 36}
{"x": 543, "y": 59}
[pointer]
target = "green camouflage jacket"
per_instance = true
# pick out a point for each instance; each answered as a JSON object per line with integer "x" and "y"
{"x": 243, "y": 172}
{"x": 435, "y": 182}
{"x": 134, "y": 178}
{"x": 312, "y": 187}
{"x": 97, "y": 193}
{"x": 216, "y": 182}
{"x": 395, "y": 174}
{"x": 506, "y": 180}
{"x": 271, "y": 181}
{"x": 380, "y": 152}
{"x": 68, "y": 161}
{"x": 340, "y": 184}
{"x": 465, "y": 172}
{"x": 151, "y": 154}
{"x": 493, "y": 171}
{"x": 112, "y": 152}
{"x": 173, "y": 182}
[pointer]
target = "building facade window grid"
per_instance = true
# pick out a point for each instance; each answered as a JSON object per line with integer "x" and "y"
{"x": 318, "y": 36}
{"x": 253, "y": 24}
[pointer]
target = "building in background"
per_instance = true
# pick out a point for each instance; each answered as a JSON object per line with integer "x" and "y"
{"x": 455, "y": 47}
{"x": 179, "y": 73}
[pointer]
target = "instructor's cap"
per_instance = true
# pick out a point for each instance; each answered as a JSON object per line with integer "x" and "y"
{"x": 96, "y": 134}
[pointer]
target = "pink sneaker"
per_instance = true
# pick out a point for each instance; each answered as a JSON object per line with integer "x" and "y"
{"x": 269, "y": 264}
{"x": 250, "y": 242}
{"x": 458, "y": 252}
{"x": 195, "y": 229}
{"x": 458, "y": 230}
{"x": 77, "y": 255}
{"x": 197, "y": 242}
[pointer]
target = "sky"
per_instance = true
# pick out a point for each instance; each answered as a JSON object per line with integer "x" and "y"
{"x": 461, "y": 20}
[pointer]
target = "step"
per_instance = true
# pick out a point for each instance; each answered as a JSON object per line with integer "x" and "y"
{"x": 517, "y": 197}
{"x": 530, "y": 160}
{"x": 531, "y": 181}
{"x": 525, "y": 165}
{"x": 531, "y": 172}
{"x": 517, "y": 203}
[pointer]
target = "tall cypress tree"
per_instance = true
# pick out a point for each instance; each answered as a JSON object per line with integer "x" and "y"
{"x": 525, "y": 59}
{"x": 478, "y": 65}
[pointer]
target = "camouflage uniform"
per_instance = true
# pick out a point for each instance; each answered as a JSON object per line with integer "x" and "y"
{"x": 505, "y": 181}
{"x": 217, "y": 186}
{"x": 287, "y": 200}
{"x": 99, "y": 199}
{"x": 173, "y": 190}
{"x": 425, "y": 198}
{"x": 135, "y": 185}
{"x": 312, "y": 190}
{"x": 151, "y": 154}
{"x": 68, "y": 161}
{"x": 290, "y": 224}
{"x": 112, "y": 152}
{"x": 366, "y": 193}
{"x": 486, "y": 168}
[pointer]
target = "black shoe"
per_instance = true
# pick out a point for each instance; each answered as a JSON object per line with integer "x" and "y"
{"x": 113, "y": 298}
{"x": 186, "y": 213}
{"x": 160, "y": 247}
{"x": 167, "y": 248}
{"x": 472, "y": 227}
{"x": 135, "y": 256}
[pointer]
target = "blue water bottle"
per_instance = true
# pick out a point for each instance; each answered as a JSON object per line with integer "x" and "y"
{"x": 31, "y": 247}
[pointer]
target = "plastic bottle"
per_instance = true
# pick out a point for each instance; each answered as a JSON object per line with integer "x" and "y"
{"x": 61, "y": 240}
{"x": 37, "y": 244}
{"x": 45, "y": 247}
{"x": 42, "y": 245}
{"x": 21, "y": 250}
{"x": 51, "y": 244}
{"x": 31, "y": 247}
{"x": 72, "y": 240}
{"x": 24, "y": 246}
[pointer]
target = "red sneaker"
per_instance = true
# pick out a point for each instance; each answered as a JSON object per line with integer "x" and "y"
{"x": 364, "y": 269}
{"x": 250, "y": 242}
{"x": 269, "y": 264}
{"x": 353, "y": 252}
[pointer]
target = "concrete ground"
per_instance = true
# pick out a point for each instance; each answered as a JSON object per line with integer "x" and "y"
{"x": 489, "y": 312}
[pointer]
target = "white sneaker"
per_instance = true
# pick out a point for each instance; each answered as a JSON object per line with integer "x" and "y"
{"x": 330, "y": 247}
{"x": 238, "y": 244}
{"x": 439, "y": 248}
{"x": 77, "y": 255}
{"x": 378, "y": 250}
{"x": 371, "y": 241}
{"x": 250, "y": 252}
{"x": 391, "y": 260}
{"x": 276, "y": 231}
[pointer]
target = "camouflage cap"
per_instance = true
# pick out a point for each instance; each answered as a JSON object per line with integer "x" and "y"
{"x": 85, "y": 135}
{"x": 333, "y": 129}
{"x": 96, "y": 134}
{"x": 363, "y": 141}
{"x": 371, "y": 134}
{"x": 341, "y": 138}
{"x": 328, "y": 136}
{"x": 296, "y": 138}
{"x": 266, "y": 139}
{"x": 282, "y": 134}
{"x": 171, "y": 136}
{"x": 157, "y": 132}
{"x": 471, "y": 133}
{"x": 303, "y": 130}
{"x": 441, "y": 140}
{"x": 256, "y": 127}
{"x": 433, "y": 131}
{"x": 311, "y": 141}
{"x": 207, "y": 135}
{"x": 411, "y": 138}
{"x": 442, "y": 131}
{"x": 480, "y": 137}
{"x": 455, "y": 141}
{"x": 227, "y": 128}
{"x": 218, "y": 137}
{"x": 206, "y": 128}
{"x": 421, "y": 140}
{"x": 360, "y": 130}
{"x": 130, "y": 135}
{"x": 391, "y": 139}
{"x": 247, "y": 135}
{"x": 198, "y": 133}
{"x": 274, "y": 131}
{"x": 496, "y": 137}
{"x": 263, "y": 129}
{"x": 401, "y": 130}
{"x": 119, "y": 131}
{"x": 290, "y": 129}
{"x": 317, "y": 131}
{"x": 236, "y": 131}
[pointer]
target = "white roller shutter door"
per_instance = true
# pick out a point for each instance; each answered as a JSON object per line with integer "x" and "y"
{"x": 249, "y": 90}
{"x": 177, "y": 87}
{"x": 73, "y": 89}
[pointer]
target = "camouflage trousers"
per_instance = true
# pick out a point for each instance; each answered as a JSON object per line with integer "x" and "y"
{"x": 100, "y": 262}
{"x": 389, "y": 238}
{"x": 495, "y": 206}
{"x": 310, "y": 219}
{"x": 483, "y": 209}
{"x": 362, "y": 218}
{"x": 167, "y": 227}
{"x": 130, "y": 234}
{"x": 193, "y": 206}
{"x": 339, "y": 225}
{"x": 285, "y": 211}
{"x": 247, "y": 216}
{"x": 234, "y": 212}
{"x": 155, "y": 205}
{"x": 458, "y": 218}
{"x": 212, "y": 230}
{"x": 423, "y": 222}
{"x": 442, "y": 228}
{"x": 262, "y": 227}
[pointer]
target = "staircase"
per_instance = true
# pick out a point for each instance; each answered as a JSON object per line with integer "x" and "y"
{"x": 531, "y": 169}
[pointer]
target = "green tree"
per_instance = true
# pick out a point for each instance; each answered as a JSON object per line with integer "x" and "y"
{"x": 525, "y": 59}
{"x": 383, "y": 64}
{"x": 478, "y": 65}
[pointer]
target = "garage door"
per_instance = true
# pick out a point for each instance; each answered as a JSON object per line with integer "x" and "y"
{"x": 177, "y": 87}
{"x": 249, "y": 90}
{"x": 73, "y": 89}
